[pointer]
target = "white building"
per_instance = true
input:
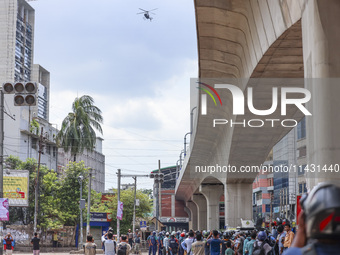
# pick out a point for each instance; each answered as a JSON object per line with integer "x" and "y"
{"x": 16, "y": 64}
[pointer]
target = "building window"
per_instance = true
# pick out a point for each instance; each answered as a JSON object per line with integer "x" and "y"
{"x": 48, "y": 149}
{"x": 302, "y": 151}
{"x": 301, "y": 170}
{"x": 301, "y": 129}
{"x": 221, "y": 207}
{"x": 34, "y": 143}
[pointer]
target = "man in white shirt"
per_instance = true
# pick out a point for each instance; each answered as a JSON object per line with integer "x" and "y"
{"x": 110, "y": 245}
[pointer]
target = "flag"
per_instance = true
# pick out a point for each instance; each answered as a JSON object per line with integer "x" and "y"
{"x": 4, "y": 209}
{"x": 120, "y": 210}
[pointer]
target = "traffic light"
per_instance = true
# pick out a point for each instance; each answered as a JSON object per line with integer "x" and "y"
{"x": 24, "y": 92}
{"x": 159, "y": 177}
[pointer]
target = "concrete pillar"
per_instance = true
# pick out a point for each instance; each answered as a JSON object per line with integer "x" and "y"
{"x": 187, "y": 210}
{"x": 238, "y": 203}
{"x": 212, "y": 194}
{"x": 321, "y": 51}
{"x": 201, "y": 204}
{"x": 193, "y": 210}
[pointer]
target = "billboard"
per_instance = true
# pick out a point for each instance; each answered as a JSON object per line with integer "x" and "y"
{"x": 16, "y": 187}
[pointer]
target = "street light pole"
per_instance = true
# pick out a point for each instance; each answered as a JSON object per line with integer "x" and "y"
{"x": 80, "y": 178}
{"x": 89, "y": 204}
{"x": 37, "y": 181}
{"x": 134, "y": 206}
{"x": 1, "y": 157}
{"x": 118, "y": 198}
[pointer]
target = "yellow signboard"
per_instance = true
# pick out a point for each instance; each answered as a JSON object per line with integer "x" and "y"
{"x": 16, "y": 187}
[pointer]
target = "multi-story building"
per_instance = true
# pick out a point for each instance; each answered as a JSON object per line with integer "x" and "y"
{"x": 21, "y": 130}
{"x": 263, "y": 188}
{"x": 172, "y": 212}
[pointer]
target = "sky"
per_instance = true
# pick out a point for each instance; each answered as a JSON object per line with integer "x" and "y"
{"x": 137, "y": 71}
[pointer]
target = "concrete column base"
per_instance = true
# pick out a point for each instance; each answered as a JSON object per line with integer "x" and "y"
{"x": 193, "y": 210}
{"x": 201, "y": 203}
{"x": 238, "y": 203}
{"x": 212, "y": 193}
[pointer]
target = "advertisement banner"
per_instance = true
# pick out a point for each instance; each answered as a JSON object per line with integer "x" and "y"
{"x": 16, "y": 185}
{"x": 4, "y": 209}
{"x": 102, "y": 217}
{"x": 120, "y": 210}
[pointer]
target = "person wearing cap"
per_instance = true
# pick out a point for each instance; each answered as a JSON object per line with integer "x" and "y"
{"x": 319, "y": 222}
{"x": 166, "y": 243}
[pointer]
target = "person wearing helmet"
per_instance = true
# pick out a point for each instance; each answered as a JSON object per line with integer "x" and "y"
{"x": 173, "y": 244}
{"x": 180, "y": 240}
{"x": 152, "y": 241}
{"x": 186, "y": 244}
{"x": 319, "y": 222}
{"x": 166, "y": 244}
{"x": 160, "y": 242}
{"x": 261, "y": 246}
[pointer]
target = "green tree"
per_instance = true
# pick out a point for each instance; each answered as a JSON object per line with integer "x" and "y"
{"x": 127, "y": 197}
{"x": 78, "y": 128}
{"x": 69, "y": 192}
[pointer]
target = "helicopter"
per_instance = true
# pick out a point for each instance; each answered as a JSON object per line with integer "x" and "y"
{"x": 146, "y": 13}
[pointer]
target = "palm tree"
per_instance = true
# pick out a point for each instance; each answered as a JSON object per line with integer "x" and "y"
{"x": 78, "y": 128}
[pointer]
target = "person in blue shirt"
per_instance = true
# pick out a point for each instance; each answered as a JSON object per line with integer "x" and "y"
{"x": 215, "y": 243}
{"x": 319, "y": 222}
{"x": 152, "y": 240}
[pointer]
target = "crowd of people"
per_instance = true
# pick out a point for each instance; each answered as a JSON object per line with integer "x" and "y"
{"x": 318, "y": 233}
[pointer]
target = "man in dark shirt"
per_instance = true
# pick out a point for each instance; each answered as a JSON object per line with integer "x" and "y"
{"x": 35, "y": 241}
{"x": 215, "y": 244}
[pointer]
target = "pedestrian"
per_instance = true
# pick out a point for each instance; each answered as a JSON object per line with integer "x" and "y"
{"x": 249, "y": 247}
{"x": 137, "y": 244}
{"x": 36, "y": 247}
{"x": 90, "y": 247}
{"x": 279, "y": 240}
{"x": 289, "y": 237}
{"x": 166, "y": 244}
{"x": 55, "y": 239}
{"x": 180, "y": 240}
{"x": 215, "y": 243}
{"x": 160, "y": 241}
{"x": 261, "y": 246}
{"x": 173, "y": 245}
{"x": 124, "y": 247}
{"x": 152, "y": 241}
{"x": 8, "y": 244}
{"x": 186, "y": 244}
{"x": 103, "y": 238}
{"x": 319, "y": 222}
{"x": 110, "y": 245}
{"x": 248, "y": 239}
{"x": 229, "y": 251}
{"x": 130, "y": 236}
{"x": 198, "y": 246}
{"x": 274, "y": 230}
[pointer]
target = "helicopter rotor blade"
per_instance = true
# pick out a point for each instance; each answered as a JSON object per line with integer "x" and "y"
{"x": 153, "y": 10}
{"x": 141, "y": 13}
{"x": 153, "y": 13}
{"x": 142, "y": 10}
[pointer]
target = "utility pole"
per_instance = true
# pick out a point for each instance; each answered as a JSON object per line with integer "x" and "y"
{"x": 134, "y": 206}
{"x": 1, "y": 158}
{"x": 89, "y": 204}
{"x": 271, "y": 207}
{"x": 287, "y": 203}
{"x": 159, "y": 193}
{"x": 37, "y": 181}
{"x": 118, "y": 221}
{"x": 80, "y": 178}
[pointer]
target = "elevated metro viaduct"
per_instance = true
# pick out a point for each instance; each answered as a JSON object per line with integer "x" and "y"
{"x": 260, "y": 39}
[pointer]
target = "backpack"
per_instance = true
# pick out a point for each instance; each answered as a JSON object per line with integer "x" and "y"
{"x": 173, "y": 245}
{"x": 122, "y": 249}
{"x": 259, "y": 250}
